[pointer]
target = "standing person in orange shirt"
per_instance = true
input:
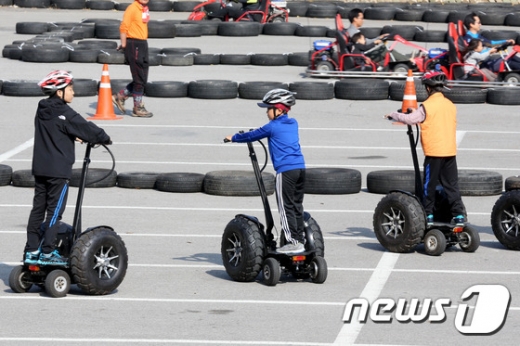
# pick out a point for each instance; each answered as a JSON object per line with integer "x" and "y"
{"x": 134, "y": 35}
{"x": 437, "y": 117}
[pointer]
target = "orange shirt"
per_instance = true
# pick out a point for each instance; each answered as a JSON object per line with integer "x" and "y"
{"x": 135, "y": 21}
{"x": 439, "y": 129}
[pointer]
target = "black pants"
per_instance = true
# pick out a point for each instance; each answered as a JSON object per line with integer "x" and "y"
{"x": 443, "y": 171}
{"x": 50, "y": 200}
{"x": 136, "y": 55}
{"x": 289, "y": 197}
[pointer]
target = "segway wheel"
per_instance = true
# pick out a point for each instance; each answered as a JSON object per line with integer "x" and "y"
{"x": 242, "y": 249}
{"x": 313, "y": 229}
{"x": 399, "y": 222}
{"x": 505, "y": 219}
{"x": 469, "y": 239}
{"x": 434, "y": 242}
{"x": 319, "y": 270}
{"x": 57, "y": 283}
{"x": 271, "y": 271}
{"x": 18, "y": 280}
{"x": 98, "y": 261}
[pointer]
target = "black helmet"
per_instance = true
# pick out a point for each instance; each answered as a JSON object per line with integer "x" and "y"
{"x": 434, "y": 78}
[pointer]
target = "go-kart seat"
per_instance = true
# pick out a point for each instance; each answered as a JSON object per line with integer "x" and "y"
{"x": 259, "y": 14}
{"x": 339, "y": 23}
{"x": 457, "y": 65}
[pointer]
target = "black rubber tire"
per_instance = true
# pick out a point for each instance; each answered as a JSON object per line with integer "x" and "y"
{"x": 180, "y": 50}
{"x": 319, "y": 270}
{"x": 235, "y": 59}
{"x": 166, "y": 89}
{"x": 21, "y": 88}
{"x": 236, "y": 183}
{"x": 456, "y": 15}
{"x": 137, "y": 180}
{"x": 6, "y": 173}
{"x": 512, "y": 183}
{"x": 405, "y": 31}
{"x": 399, "y": 222}
{"x": 111, "y": 56}
{"x": 505, "y": 218}
{"x": 409, "y": 15}
{"x": 492, "y": 17}
{"x": 32, "y": 3}
{"x": 177, "y": 60}
{"x": 161, "y": 29}
{"x": 500, "y": 34}
{"x": 387, "y": 180}
{"x": 466, "y": 95}
{"x": 479, "y": 182}
{"x": 359, "y": 89}
{"x": 269, "y": 59}
{"x": 239, "y": 29}
{"x": 213, "y": 89}
{"x": 85, "y": 87}
{"x": 206, "y": 59}
{"x": 31, "y": 28}
{"x": 97, "y": 44}
{"x": 23, "y": 178}
{"x": 299, "y": 59}
{"x": 100, "y": 5}
{"x": 107, "y": 30}
{"x": 297, "y": 8}
{"x": 160, "y": 6}
{"x": 207, "y": 27}
{"x": 188, "y": 30}
{"x": 180, "y": 182}
{"x": 84, "y": 55}
{"x": 242, "y": 249}
{"x": 370, "y": 32}
{"x": 317, "y": 235}
{"x": 57, "y": 283}
{"x": 279, "y": 29}
{"x": 503, "y": 96}
{"x": 469, "y": 239}
{"x": 434, "y": 242}
{"x": 91, "y": 248}
{"x": 257, "y": 90}
{"x": 332, "y": 181}
{"x": 396, "y": 90}
{"x": 17, "y": 281}
{"x": 322, "y": 10}
{"x": 184, "y": 6}
{"x": 512, "y": 19}
{"x": 94, "y": 174}
{"x": 69, "y": 4}
{"x": 312, "y": 90}
{"x": 118, "y": 84}
{"x": 271, "y": 271}
{"x": 380, "y": 13}
{"x": 311, "y": 31}
{"x": 45, "y": 53}
{"x": 430, "y": 36}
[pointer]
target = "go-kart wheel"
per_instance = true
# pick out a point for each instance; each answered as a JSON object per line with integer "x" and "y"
{"x": 278, "y": 19}
{"x": 98, "y": 261}
{"x": 401, "y": 68}
{"x": 469, "y": 239}
{"x": 434, "y": 242}
{"x": 399, "y": 222}
{"x": 319, "y": 270}
{"x": 324, "y": 66}
{"x": 271, "y": 271}
{"x": 505, "y": 219}
{"x": 512, "y": 78}
{"x": 18, "y": 280}
{"x": 242, "y": 249}
{"x": 57, "y": 283}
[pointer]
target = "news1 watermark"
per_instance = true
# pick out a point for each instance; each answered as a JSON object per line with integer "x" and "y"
{"x": 488, "y": 316}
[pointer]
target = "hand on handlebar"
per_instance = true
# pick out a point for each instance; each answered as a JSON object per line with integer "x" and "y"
{"x": 228, "y": 139}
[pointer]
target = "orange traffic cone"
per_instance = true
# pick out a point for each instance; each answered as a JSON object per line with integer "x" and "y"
{"x": 105, "y": 109}
{"x": 409, "y": 97}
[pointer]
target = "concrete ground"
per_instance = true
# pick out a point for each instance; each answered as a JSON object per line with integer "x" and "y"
{"x": 176, "y": 290}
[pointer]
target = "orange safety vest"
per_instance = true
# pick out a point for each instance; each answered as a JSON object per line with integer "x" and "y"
{"x": 439, "y": 128}
{"x": 135, "y": 21}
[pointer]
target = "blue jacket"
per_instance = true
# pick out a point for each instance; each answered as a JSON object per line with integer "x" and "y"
{"x": 284, "y": 142}
{"x": 469, "y": 36}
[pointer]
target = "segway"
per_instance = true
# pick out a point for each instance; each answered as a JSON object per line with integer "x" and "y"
{"x": 505, "y": 219}
{"x": 249, "y": 247}
{"x": 400, "y": 220}
{"x": 97, "y": 257}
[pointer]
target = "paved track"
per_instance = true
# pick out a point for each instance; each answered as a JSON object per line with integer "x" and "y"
{"x": 176, "y": 290}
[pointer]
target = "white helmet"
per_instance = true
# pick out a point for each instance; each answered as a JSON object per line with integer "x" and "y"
{"x": 55, "y": 81}
{"x": 277, "y": 97}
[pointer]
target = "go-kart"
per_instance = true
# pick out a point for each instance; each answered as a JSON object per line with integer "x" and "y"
{"x": 269, "y": 11}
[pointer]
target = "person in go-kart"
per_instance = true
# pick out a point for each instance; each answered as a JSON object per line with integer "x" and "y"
{"x": 234, "y": 9}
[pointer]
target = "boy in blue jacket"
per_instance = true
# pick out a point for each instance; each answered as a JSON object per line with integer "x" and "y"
{"x": 288, "y": 162}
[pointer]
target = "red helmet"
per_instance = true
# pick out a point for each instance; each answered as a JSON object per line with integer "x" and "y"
{"x": 434, "y": 78}
{"x": 55, "y": 81}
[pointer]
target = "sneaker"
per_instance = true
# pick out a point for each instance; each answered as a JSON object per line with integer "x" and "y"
{"x": 291, "y": 248}
{"x": 32, "y": 257}
{"x": 141, "y": 112}
{"x": 54, "y": 258}
{"x": 429, "y": 219}
{"x": 119, "y": 102}
{"x": 459, "y": 220}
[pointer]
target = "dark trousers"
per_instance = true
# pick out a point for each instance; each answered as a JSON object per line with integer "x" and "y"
{"x": 136, "y": 55}
{"x": 50, "y": 200}
{"x": 289, "y": 197}
{"x": 443, "y": 171}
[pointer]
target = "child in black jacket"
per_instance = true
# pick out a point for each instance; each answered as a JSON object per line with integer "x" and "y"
{"x": 57, "y": 126}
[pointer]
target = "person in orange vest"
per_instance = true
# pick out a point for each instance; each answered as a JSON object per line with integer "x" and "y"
{"x": 134, "y": 34}
{"x": 437, "y": 117}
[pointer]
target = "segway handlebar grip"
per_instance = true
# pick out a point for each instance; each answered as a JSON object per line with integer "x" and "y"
{"x": 226, "y": 140}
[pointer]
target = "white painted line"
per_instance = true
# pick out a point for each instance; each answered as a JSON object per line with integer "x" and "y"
{"x": 349, "y": 332}
{"x": 460, "y": 137}
{"x": 17, "y": 150}
{"x": 164, "y": 341}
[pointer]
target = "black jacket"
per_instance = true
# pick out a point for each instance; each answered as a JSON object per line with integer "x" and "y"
{"x": 56, "y": 128}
